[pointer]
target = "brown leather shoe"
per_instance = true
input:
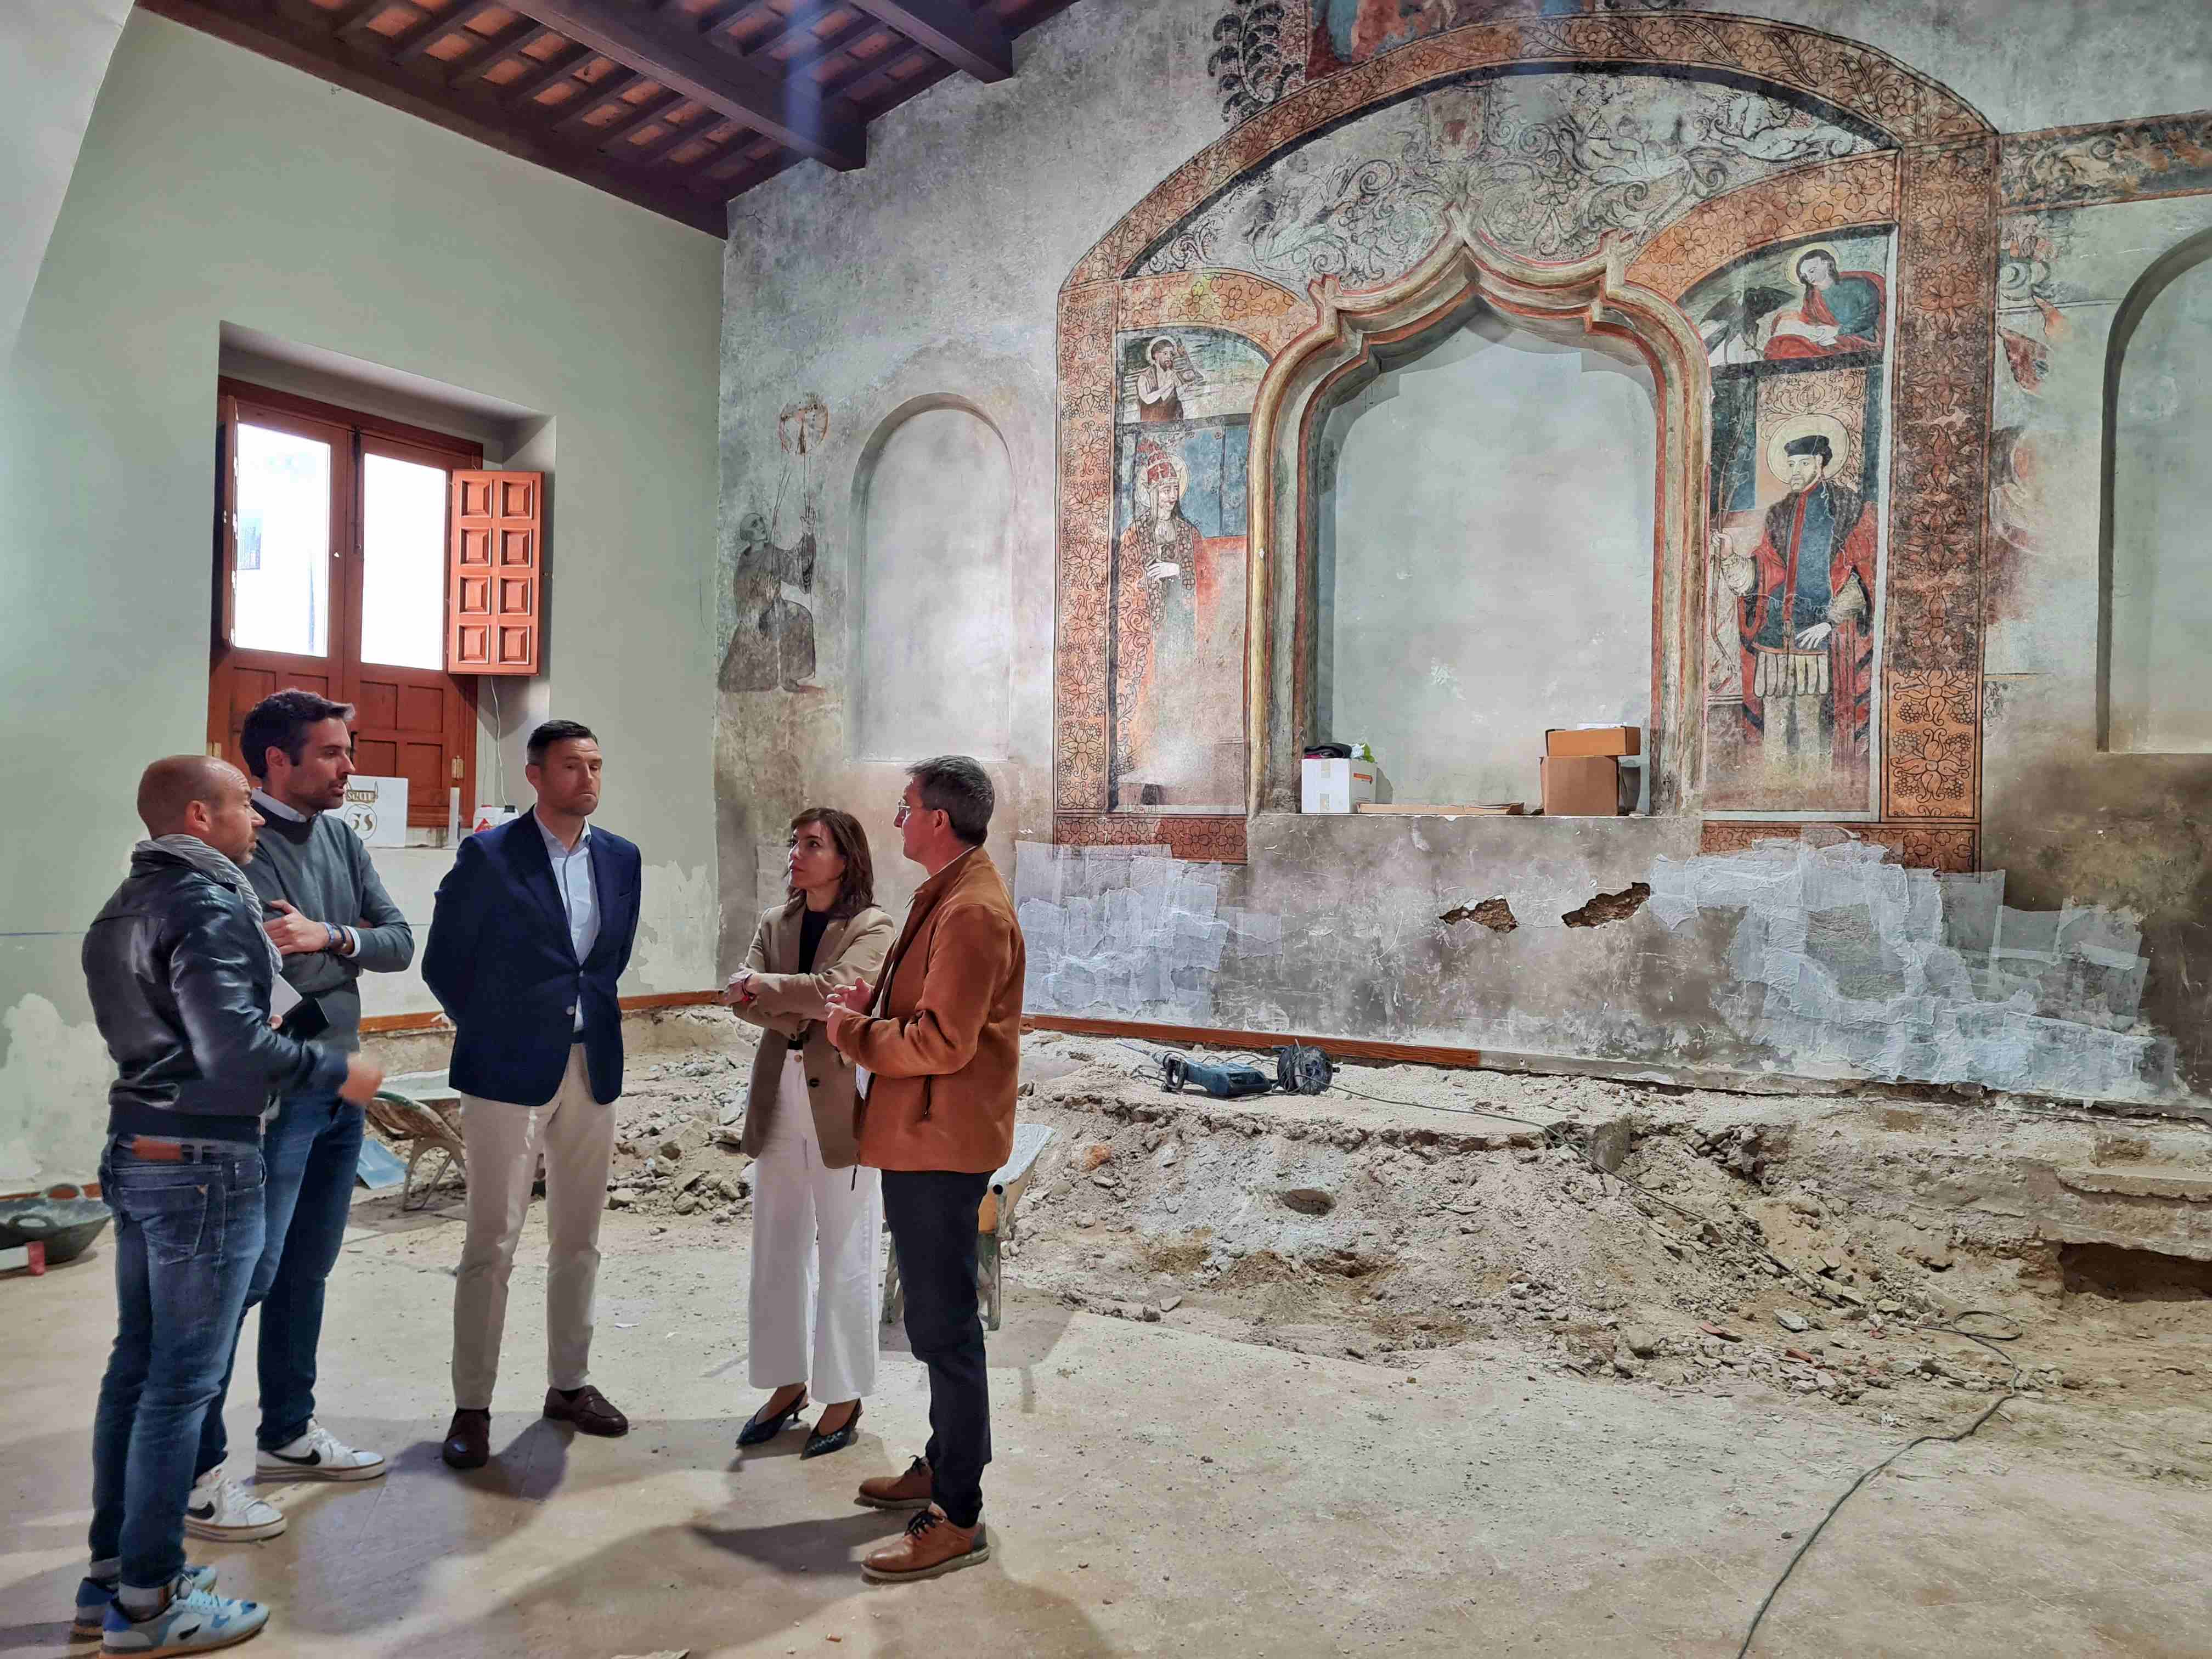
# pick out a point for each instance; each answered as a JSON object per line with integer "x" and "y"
{"x": 909, "y": 1491}
{"x": 468, "y": 1440}
{"x": 591, "y": 1412}
{"x": 930, "y": 1547}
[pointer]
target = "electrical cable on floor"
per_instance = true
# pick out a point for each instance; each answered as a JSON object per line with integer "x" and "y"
{"x": 2010, "y": 1393}
{"x": 1562, "y": 1134}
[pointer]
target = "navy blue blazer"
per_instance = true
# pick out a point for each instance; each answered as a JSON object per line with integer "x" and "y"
{"x": 500, "y": 964}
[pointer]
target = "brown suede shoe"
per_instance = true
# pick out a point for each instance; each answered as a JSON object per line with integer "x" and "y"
{"x": 932, "y": 1545}
{"x": 591, "y": 1412}
{"x": 909, "y": 1491}
{"x": 468, "y": 1440}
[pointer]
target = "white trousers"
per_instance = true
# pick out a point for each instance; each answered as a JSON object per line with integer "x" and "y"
{"x": 576, "y": 1134}
{"x": 817, "y": 1253}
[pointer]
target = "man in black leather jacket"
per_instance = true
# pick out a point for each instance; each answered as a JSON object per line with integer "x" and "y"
{"x": 180, "y": 974}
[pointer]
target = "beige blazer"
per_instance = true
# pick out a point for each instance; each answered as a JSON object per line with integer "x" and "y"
{"x": 790, "y": 1006}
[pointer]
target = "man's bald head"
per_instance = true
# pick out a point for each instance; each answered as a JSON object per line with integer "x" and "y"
{"x": 199, "y": 795}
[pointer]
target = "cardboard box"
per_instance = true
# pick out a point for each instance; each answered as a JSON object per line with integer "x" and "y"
{"x": 1334, "y": 786}
{"x": 1580, "y": 786}
{"x": 1577, "y": 741}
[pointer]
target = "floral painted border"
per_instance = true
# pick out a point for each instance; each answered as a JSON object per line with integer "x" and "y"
{"x": 1921, "y": 847}
{"x": 2120, "y": 161}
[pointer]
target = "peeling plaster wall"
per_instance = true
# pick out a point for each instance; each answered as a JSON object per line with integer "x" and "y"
{"x": 329, "y": 221}
{"x": 934, "y": 274}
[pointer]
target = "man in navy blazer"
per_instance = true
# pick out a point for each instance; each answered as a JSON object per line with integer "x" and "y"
{"x": 532, "y": 931}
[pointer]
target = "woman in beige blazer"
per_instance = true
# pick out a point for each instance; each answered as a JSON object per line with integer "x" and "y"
{"x": 817, "y": 1217}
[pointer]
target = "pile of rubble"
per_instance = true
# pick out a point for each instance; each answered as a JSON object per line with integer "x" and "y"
{"x": 676, "y": 1144}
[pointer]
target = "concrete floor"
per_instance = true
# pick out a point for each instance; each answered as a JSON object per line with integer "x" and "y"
{"x": 1156, "y": 1491}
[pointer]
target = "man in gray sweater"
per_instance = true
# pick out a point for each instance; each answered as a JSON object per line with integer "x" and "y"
{"x": 330, "y": 917}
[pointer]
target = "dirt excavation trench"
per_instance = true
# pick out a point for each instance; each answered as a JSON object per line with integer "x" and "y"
{"x": 1798, "y": 1248}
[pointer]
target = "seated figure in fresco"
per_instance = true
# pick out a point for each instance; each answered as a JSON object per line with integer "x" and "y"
{"x": 1840, "y": 312}
{"x": 1179, "y": 668}
{"x": 1159, "y": 386}
{"x": 1804, "y": 614}
{"x": 772, "y": 648}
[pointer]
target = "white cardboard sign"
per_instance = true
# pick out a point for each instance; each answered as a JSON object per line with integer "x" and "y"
{"x": 376, "y": 809}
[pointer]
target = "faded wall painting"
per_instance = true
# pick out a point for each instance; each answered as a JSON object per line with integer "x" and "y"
{"x": 1176, "y": 647}
{"x": 771, "y": 642}
{"x": 1796, "y": 339}
{"x": 1548, "y": 163}
{"x": 1348, "y": 32}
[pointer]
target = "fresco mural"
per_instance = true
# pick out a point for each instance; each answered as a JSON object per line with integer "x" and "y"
{"x": 1795, "y": 336}
{"x": 1549, "y": 162}
{"x": 771, "y": 641}
{"x": 1176, "y": 650}
{"x": 1348, "y": 32}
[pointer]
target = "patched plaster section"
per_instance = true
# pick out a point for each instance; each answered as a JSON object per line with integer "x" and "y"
{"x": 679, "y": 914}
{"x": 53, "y": 1095}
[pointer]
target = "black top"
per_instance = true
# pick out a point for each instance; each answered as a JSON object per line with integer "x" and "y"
{"x": 811, "y": 926}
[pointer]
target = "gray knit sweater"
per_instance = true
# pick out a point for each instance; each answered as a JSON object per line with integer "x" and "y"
{"x": 321, "y": 870}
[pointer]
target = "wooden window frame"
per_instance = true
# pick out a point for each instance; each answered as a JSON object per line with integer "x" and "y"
{"x": 352, "y": 434}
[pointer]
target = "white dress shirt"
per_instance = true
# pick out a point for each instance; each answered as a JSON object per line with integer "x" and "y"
{"x": 579, "y": 899}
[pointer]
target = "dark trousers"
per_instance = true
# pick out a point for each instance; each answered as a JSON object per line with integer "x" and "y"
{"x": 187, "y": 1234}
{"x": 312, "y": 1151}
{"x": 932, "y": 1216}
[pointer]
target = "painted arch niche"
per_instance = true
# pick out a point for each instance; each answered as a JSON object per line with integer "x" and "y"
{"x": 933, "y": 593}
{"x": 1481, "y": 522}
{"x": 2157, "y": 690}
{"x": 1583, "y": 308}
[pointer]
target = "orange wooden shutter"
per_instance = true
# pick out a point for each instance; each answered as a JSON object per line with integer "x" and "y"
{"x": 226, "y": 519}
{"x": 497, "y": 568}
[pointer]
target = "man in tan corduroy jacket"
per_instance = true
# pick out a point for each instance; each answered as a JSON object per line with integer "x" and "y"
{"x": 940, "y": 1035}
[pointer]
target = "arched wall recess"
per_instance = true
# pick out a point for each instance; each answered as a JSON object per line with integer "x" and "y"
{"x": 1584, "y": 297}
{"x": 2154, "y": 583}
{"x": 932, "y": 609}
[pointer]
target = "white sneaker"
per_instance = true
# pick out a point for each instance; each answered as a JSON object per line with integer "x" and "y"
{"x": 317, "y": 1454}
{"x": 195, "y": 1621}
{"x": 221, "y": 1509}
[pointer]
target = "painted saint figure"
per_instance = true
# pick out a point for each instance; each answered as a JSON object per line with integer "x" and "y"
{"x": 1804, "y": 614}
{"x": 1179, "y": 668}
{"x": 1840, "y": 312}
{"x": 772, "y": 648}
{"x": 1160, "y": 382}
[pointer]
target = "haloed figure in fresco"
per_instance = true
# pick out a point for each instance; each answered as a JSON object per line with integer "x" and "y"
{"x": 1182, "y": 651}
{"x": 1804, "y": 613}
{"x": 1840, "y": 312}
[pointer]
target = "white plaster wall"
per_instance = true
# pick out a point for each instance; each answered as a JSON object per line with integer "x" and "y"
{"x": 52, "y": 55}
{"x": 214, "y": 187}
{"x": 936, "y": 601}
{"x": 2028, "y": 65}
{"x": 1485, "y": 543}
{"x": 2161, "y": 693}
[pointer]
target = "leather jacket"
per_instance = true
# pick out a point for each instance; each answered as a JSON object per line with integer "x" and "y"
{"x": 179, "y": 974}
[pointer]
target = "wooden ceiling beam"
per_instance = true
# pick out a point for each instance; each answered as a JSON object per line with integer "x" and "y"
{"x": 573, "y": 115}
{"x": 454, "y": 20}
{"x": 798, "y": 114}
{"x": 414, "y": 90}
{"x": 653, "y": 109}
{"x": 513, "y": 41}
{"x": 969, "y": 40}
{"x": 521, "y": 93}
{"x": 827, "y": 46}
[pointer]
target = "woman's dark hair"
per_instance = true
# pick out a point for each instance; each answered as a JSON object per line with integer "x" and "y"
{"x": 856, "y": 890}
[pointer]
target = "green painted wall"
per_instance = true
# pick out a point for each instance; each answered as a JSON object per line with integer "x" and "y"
{"x": 215, "y": 186}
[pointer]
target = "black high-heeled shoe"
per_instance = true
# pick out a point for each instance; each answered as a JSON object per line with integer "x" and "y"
{"x": 758, "y": 1429}
{"x": 821, "y": 1446}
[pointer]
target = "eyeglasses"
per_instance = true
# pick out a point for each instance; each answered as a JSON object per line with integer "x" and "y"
{"x": 903, "y": 811}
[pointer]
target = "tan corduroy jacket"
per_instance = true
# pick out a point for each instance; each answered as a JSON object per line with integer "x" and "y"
{"x": 945, "y": 1045}
{"x": 789, "y": 1007}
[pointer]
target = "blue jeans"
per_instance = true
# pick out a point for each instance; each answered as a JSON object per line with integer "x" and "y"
{"x": 312, "y": 1150}
{"x": 187, "y": 1234}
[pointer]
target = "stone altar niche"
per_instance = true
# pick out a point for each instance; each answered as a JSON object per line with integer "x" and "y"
{"x": 1577, "y": 301}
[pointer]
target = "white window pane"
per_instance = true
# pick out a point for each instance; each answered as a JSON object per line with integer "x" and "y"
{"x": 281, "y": 593}
{"x": 403, "y": 579}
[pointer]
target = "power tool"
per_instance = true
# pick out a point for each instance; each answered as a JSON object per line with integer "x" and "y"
{"x": 1299, "y": 1070}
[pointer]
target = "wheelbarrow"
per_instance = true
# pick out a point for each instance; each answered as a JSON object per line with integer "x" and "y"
{"x": 64, "y": 1221}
